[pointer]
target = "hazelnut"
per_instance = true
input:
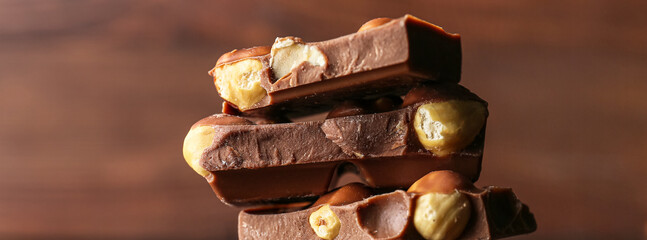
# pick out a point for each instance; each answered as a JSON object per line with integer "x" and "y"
{"x": 373, "y": 23}
{"x": 289, "y": 52}
{"x": 448, "y": 126}
{"x": 325, "y": 223}
{"x": 237, "y": 76}
{"x": 441, "y": 216}
{"x": 240, "y": 82}
{"x": 441, "y": 212}
{"x": 201, "y": 136}
{"x": 198, "y": 139}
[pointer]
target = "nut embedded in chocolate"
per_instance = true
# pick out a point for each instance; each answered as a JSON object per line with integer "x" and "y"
{"x": 383, "y": 147}
{"x": 448, "y": 126}
{"x": 325, "y": 223}
{"x": 195, "y": 142}
{"x": 237, "y": 77}
{"x": 441, "y": 216}
{"x": 289, "y": 53}
{"x": 442, "y": 212}
{"x": 300, "y": 78}
{"x": 201, "y": 136}
{"x": 496, "y": 213}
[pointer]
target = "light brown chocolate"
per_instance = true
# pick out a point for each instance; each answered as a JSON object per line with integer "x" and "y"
{"x": 496, "y": 213}
{"x": 253, "y": 164}
{"x": 387, "y": 59}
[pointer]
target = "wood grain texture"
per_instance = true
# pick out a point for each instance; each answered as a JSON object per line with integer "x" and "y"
{"x": 96, "y": 97}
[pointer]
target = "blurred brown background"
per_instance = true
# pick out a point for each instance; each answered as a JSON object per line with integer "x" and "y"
{"x": 96, "y": 97}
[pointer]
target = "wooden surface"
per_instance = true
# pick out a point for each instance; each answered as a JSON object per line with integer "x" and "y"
{"x": 96, "y": 97}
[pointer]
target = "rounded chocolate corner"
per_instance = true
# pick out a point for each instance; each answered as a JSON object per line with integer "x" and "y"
{"x": 385, "y": 216}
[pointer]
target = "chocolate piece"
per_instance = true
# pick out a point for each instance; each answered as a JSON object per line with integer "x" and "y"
{"x": 384, "y": 60}
{"x": 496, "y": 213}
{"x": 254, "y": 164}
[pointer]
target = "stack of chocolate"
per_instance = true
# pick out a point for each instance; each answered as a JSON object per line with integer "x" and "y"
{"x": 396, "y": 117}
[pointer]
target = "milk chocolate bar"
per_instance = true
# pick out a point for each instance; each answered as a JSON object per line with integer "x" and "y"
{"x": 497, "y": 214}
{"x": 247, "y": 163}
{"x": 493, "y": 213}
{"x": 295, "y": 76}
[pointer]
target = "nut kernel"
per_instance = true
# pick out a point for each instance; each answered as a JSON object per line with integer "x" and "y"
{"x": 441, "y": 216}
{"x": 240, "y": 82}
{"x": 195, "y": 142}
{"x": 373, "y": 23}
{"x": 445, "y": 127}
{"x": 325, "y": 223}
{"x": 289, "y": 52}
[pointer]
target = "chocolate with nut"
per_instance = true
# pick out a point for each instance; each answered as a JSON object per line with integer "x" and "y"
{"x": 385, "y": 57}
{"x": 495, "y": 213}
{"x": 251, "y": 164}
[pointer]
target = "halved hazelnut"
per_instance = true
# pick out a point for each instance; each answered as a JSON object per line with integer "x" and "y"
{"x": 240, "y": 82}
{"x": 237, "y": 76}
{"x": 448, "y": 126}
{"x": 442, "y": 212}
{"x": 198, "y": 139}
{"x": 201, "y": 136}
{"x": 441, "y": 216}
{"x": 289, "y": 52}
{"x": 325, "y": 222}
